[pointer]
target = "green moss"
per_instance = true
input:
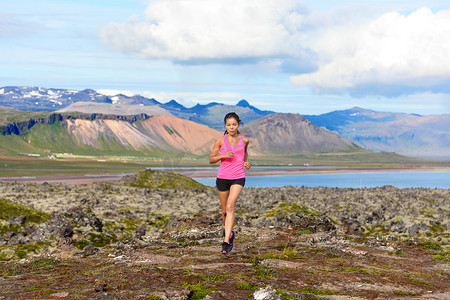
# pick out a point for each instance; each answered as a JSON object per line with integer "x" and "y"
{"x": 21, "y": 254}
{"x": 405, "y": 293}
{"x": 285, "y": 253}
{"x": 106, "y": 186}
{"x": 242, "y": 285}
{"x": 350, "y": 269}
{"x": 430, "y": 244}
{"x": 317, "y": 291}
{"x": 443, "y": 256}
{"x": 7, "y": 254}
{"x": 81, "y": 244}
{"x": 303, "y": 232}
{"x": 131, "y": 225}
{"x": 199, "y": 291}
{"x": 263, "y": 272}
{"x": 161, "y": 180}
{"x": 128, "y": 208}
{"x": 9, "y": 227}
{"x": 378, "y": 229}
{"x": 24, "y": 250}
{"x": 436, "y": 228}
{"x": 289, "y": 297}
{"x": 217, "y": 278}
{"x": 101, "y": 240}
{"x": 9, "y": 209}
{"x": 288, "y": 208}
{"x": 159, "y": 220}
{"x": 363, "y": 280}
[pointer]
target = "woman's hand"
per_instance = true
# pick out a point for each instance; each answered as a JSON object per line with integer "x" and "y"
{"x": 247, "y": 165}
{"x": 229, "y": 154}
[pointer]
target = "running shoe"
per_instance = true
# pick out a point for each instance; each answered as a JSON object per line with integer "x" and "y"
{"x": 225, "y": 248}
{"x": 232, "y": 236}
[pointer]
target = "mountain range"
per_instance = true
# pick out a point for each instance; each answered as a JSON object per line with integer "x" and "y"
{"x": 157, "y": 136}
{"x": 90, "y": 101}
{"x": 406, "y": 134}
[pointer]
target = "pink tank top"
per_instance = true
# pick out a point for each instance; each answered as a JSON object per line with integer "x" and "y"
{"x": 232, "y": 168}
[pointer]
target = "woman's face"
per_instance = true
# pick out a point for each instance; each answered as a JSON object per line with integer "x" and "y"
{"x": 232, "y": 125}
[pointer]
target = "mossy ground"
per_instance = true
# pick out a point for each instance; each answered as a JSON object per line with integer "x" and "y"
{"x": 294, "y": 271}
{"x": 10, "y": 209}
{"x": 289, "y": 260}
{"x": 159, "y": 179}
{"x": 288, "y": 208}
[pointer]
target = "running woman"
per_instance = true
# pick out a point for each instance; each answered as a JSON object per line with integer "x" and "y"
{"x": 231, "y": 151}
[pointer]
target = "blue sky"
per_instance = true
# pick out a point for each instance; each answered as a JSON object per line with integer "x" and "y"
{"x": 307, "y": 57}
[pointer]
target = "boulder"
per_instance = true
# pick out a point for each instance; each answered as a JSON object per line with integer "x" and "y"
{"x": 299, "y": 221}
{"x": 416, "y": 228}
{"x": 140, "y": 231}
{"x": 351, "y": 226}
{"x": 267, "y": 293}
{"x": 18, "y": 219}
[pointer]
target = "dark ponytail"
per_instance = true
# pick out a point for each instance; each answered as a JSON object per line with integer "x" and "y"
{"x": 231, "y": 115}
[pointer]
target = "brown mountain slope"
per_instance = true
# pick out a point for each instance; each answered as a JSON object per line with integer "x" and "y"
{"x": 180, "y": 134}
{"x": 293, "y": 133}
{"x": 101, "y": 134}
{"x": 164, "y": 132}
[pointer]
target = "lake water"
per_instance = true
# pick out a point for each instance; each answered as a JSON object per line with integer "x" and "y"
{"x": 434, "y": 179}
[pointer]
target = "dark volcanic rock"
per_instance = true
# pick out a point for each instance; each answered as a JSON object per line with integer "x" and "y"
{"x": 179, "y": 293}
{"x": 192, "y": 228}
{"x": 89, "y": 250}
{"x": 351, "y": 226}
{"x": 9, "y": 235}
{"x": 18, "y": 219}
{"x": 298, "y": 221}
{"x": 414, "y": 230}
{"x": 140, "y": 231}
{"x": 398, "y": 226}
{"x": 65, "y": 232}
{"x": 103, "y": 214}
{"x": 84, "y": 217}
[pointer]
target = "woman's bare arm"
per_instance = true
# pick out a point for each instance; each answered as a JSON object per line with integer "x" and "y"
{"x": 246, "y": 163}
{"x": 214, "y": 157}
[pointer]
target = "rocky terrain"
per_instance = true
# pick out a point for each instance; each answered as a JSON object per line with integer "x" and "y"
{"x": 156, "y": 235}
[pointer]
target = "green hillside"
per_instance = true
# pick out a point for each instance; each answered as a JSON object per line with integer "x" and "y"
{"x": 28, "y": 153}
{"x": 44, "y": 139}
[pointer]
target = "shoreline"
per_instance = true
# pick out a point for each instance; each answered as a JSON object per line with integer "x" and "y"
{"x": 260, "y": 171}
{"x": 325, "y": 170}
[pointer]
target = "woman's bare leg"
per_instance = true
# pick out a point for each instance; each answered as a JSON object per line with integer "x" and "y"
{"x": 230, "y": 216}
{"x": 223, "y": 196}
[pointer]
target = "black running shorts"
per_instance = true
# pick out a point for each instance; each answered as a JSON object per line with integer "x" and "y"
{"x": 224, "y": 185}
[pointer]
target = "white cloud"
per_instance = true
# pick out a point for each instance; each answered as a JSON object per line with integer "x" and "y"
{"x": 198, "y": 31}
{"x": 394, "y": 54}
{"x": 344, "y": 50}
